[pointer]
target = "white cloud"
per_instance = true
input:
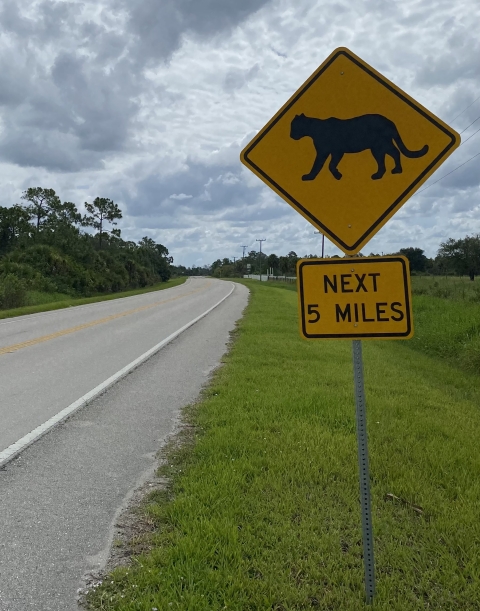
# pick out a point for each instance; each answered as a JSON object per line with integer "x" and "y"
{"x": 180, "y": 196}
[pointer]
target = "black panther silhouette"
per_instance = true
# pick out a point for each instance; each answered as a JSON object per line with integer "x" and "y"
{"x": 336, "y": 137}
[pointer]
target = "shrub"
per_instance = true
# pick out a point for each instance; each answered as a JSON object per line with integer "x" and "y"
{"x": 13, "y": 292}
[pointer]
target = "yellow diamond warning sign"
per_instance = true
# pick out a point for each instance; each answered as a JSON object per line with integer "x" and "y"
{"x": 348, "y": 149}
{"x": 355, "y": 298}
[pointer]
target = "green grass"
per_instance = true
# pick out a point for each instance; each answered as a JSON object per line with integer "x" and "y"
{"x": 44, "y": 302}
{"x": 447, "y": 328}
{"x": 446, "y": 317}
{"x": 447, "y": 287}
{"x": 262, "y": 510}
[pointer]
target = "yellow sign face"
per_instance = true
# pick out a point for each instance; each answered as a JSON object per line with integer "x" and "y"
{"x": 355, "y": 298}
{"x": 348, "y": 149}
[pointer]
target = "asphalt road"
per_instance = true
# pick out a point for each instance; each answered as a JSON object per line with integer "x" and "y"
{"x": 49, "y": 360}
{"x": 60, "y": 496}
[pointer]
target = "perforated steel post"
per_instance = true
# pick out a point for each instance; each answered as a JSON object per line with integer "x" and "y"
{"x": 364, "y": 472}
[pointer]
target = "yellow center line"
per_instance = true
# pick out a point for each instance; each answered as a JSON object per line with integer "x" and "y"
{"x": 46, "y": 338}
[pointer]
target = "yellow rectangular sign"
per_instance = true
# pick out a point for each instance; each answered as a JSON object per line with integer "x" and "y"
{"x": 355, "y": 298}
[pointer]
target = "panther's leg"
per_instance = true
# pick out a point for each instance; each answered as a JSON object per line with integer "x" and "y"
{"x": 317, "y": 166}
{"x": 393, "y": 152}
{"x": 332, "y": 166}
{"x": 380, "y": 159}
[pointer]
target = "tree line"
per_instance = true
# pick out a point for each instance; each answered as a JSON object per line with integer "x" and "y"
{"x": 454, "y": 257}
{"x": 47, "y": 245}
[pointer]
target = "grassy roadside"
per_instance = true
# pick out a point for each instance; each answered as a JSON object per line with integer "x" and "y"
{"x": 446, "y": 313}
{"x": 262, "y": 508}
{"x": 44, "y": 302}
{"x": 449, "y": 329}
{"x": 447, "y": 287}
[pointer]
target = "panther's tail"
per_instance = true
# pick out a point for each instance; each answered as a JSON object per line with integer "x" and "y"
{"x": 403, "y": 149}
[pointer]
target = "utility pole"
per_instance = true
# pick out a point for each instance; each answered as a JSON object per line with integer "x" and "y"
{"x": 262, "y": 240}
{"x": 243, "y": 259}
{"x": 323, "y": 242}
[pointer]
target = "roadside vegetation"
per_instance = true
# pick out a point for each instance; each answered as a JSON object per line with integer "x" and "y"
{"x": 38, "y": 301}
{"x": 449, "y": 329}
{"x": 261, "y": 507}
{"x": 446, "y": 319}
{"x": 447, "y": 287}
{"x": 48, "y": 247}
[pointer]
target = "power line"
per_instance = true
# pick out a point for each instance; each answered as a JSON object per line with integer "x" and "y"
{"x": 465, "y": 109}
{"x": 478, "y": 130}
{"x": 433, "y": 183}
{"x": 464, "y": 130}
{"x": 459, "y": 166}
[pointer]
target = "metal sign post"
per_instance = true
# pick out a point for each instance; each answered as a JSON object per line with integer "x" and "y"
{"x": 364, "y": 472}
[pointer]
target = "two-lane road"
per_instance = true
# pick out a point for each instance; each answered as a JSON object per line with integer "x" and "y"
{"x": 59, "y": 497}
{"x": 49, "y": 360}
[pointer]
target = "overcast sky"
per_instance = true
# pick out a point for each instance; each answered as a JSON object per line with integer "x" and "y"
{"x": 149, "y": 103}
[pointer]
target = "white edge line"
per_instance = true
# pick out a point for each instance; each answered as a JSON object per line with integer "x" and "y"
{"x": 24, "y": 442}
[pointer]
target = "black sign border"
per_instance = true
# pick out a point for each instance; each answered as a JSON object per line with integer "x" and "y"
{"x": 349, "y": 261}
{"x": 371, "y": 230}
